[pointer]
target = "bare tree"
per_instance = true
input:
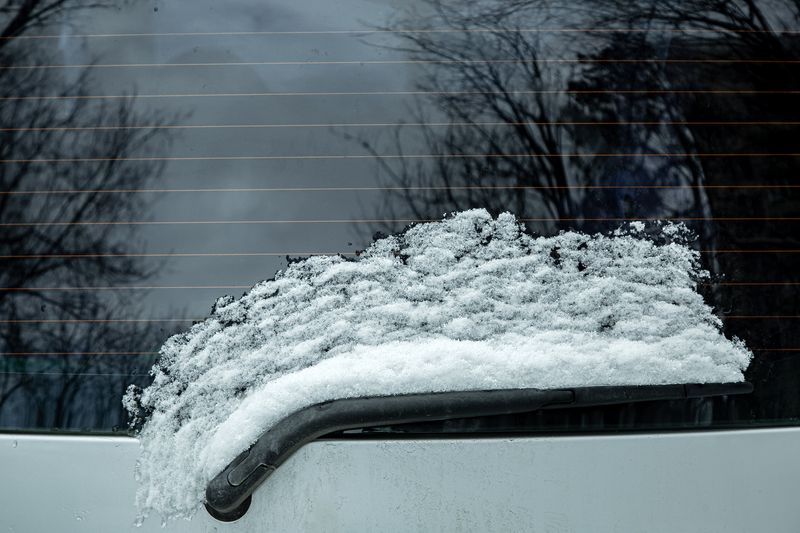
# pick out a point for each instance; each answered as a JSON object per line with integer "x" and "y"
{"x": 529, "y": 125}
{"x": 45, "y": 242}
{"x": 524, "y": 120}
{"x": 498, "y": 130}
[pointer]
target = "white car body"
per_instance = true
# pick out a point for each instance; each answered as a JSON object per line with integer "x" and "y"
{"x": 706, "y": 481}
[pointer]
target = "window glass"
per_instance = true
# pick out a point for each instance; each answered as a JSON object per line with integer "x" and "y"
{"x": 156, "y": 155}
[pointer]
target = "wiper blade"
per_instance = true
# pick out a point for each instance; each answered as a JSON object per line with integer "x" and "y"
{"x": 228, "y": 495}
{"x": 611, "y": 395}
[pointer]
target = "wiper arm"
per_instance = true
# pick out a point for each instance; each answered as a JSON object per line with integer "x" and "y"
{"x": 228, "y": 495}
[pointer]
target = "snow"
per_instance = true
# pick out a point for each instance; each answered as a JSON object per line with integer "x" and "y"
{"x": 467, "y": 303}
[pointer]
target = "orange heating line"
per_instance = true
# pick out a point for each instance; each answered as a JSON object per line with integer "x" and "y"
{"x": 373, "y": 31}
{"x": 527, "y": 155}
{"x": 292, "y": 254}
{"x": 156, "y": 353}
{"x": 412, "y": 188}
{"x": 384, "y": 221}
{"x": 406, "y": 93}
{"x": 362, "y": 62}
{"x": 246, "y": 287}
{"x": 413, "y": 124}
{"x": 200, "y": 319}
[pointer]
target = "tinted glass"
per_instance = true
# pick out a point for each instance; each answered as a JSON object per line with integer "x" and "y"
{"x": 157, "y": 155}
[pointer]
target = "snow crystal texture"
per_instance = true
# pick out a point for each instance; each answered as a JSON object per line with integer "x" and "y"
{"x": 468, "y": 303}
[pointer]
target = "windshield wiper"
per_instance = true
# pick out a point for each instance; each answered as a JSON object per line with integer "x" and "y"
{"x": 228, "y": 495}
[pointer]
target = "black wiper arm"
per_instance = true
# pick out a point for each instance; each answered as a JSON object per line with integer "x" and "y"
{"x": 228, "y": 495}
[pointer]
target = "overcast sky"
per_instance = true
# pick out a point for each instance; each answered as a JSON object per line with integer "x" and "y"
{"x": 256, "y": 15}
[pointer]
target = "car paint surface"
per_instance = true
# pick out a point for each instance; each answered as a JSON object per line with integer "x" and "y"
{"x": 725, "y": 481}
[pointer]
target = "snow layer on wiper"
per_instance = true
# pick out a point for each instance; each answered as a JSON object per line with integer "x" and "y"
{"x": 467, "y": 303}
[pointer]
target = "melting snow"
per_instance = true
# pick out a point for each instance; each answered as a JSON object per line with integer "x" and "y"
{"x": 470, "y": 302}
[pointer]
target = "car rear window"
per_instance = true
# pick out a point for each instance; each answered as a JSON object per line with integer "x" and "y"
{"x": 158, "y": 155}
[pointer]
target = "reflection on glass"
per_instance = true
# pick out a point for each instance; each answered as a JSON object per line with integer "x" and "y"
{"x": 125, "y": 216}
{"x": 59, "y": 367}
{"x": 631, "y": 111}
